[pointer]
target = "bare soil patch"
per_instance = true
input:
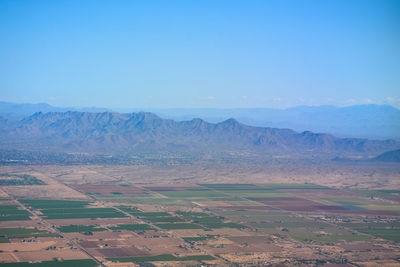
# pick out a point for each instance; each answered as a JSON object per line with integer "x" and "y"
{"x": 47, "y": 255}
{"x": 8, "y": 202}
{"x": 121, "y": 252}
{"x": 8, "y": 257}
{"x": 26, "y": 246}
{"x": 11, "y": 224}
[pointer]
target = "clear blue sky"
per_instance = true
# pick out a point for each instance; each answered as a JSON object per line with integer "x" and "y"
{"x": 204, "y": 53}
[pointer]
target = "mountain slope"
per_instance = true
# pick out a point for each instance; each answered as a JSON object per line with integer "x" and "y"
{"x": 390, "y": 156}
{"x": 366, "y": 121}
{"x": 109, "y": 132}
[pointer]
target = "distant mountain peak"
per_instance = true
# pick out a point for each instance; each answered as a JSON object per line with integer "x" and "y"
{"x": 367, "y": 121}
{"x": 107, "y": 131}
{"x": 231, "y": 121}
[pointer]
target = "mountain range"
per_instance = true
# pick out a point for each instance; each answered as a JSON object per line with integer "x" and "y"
{"x": 365, "y": 121}
{"x": 19, "y": 111}
{"x": 74, "y": 131}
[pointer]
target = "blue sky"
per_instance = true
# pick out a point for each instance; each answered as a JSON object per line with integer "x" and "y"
{"x": 204, "y": 53}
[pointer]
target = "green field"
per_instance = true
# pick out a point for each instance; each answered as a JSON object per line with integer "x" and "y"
{"x": 65, "y": 209}
{"x": 54, "y": 204}
{"x": 24, "y": 233}
{"x": 164, "y": 219}
{"x": 377, "y": 193}
{"x": 389, "y": 234}
{"x": 114, "y": 214}
{"x": 75, "y": 213}
{"x": 12, "y": 209}
{"x": 4, "y": 239}
{"x": 132, "y": 227}
{"x": 13, "y": 213}
{"x": 77, "y": 210}
{"x": 388, "y": 230}
{"x": 14, "y": 218}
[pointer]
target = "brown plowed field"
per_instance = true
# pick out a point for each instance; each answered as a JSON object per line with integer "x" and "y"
{"x": 8, "y": 257}
{"x": 8, "y": 202}
{"x": 166, "y": 250}
{"x": 58, "y": 241}
{"x": 154, "y": 242}
{"x": 103, "y": 243}
{"x": 27, "y": 246}
{"x": 12, "y": 224}
{"x": 249, "y": 239}
{"x": 47, "y": 255}
{"x": 121, "y": 252}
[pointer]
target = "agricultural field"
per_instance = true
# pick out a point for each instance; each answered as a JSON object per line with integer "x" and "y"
{"x": 18, "y": 179}
{"x": 201, "y": 224}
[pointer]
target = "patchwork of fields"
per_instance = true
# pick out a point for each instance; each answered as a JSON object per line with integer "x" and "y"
{"x": 202, "y": 224}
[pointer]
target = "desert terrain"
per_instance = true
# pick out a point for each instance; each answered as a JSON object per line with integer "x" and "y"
{"x": 337, "y": 214}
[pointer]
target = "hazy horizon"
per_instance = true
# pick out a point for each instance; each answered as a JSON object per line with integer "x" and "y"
{"x": 122, "y": 108}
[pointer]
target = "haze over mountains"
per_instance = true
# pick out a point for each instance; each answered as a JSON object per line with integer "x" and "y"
{"x": 364, "y": 121}
{"x": 19, "y": 111}
{"x": 74, "y": 131}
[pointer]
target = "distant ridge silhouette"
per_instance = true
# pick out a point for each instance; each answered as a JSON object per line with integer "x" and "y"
{"x": 107, "y": 131}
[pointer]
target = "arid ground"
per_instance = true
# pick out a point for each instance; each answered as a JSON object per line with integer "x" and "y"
{"x": 336, "y": 214}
